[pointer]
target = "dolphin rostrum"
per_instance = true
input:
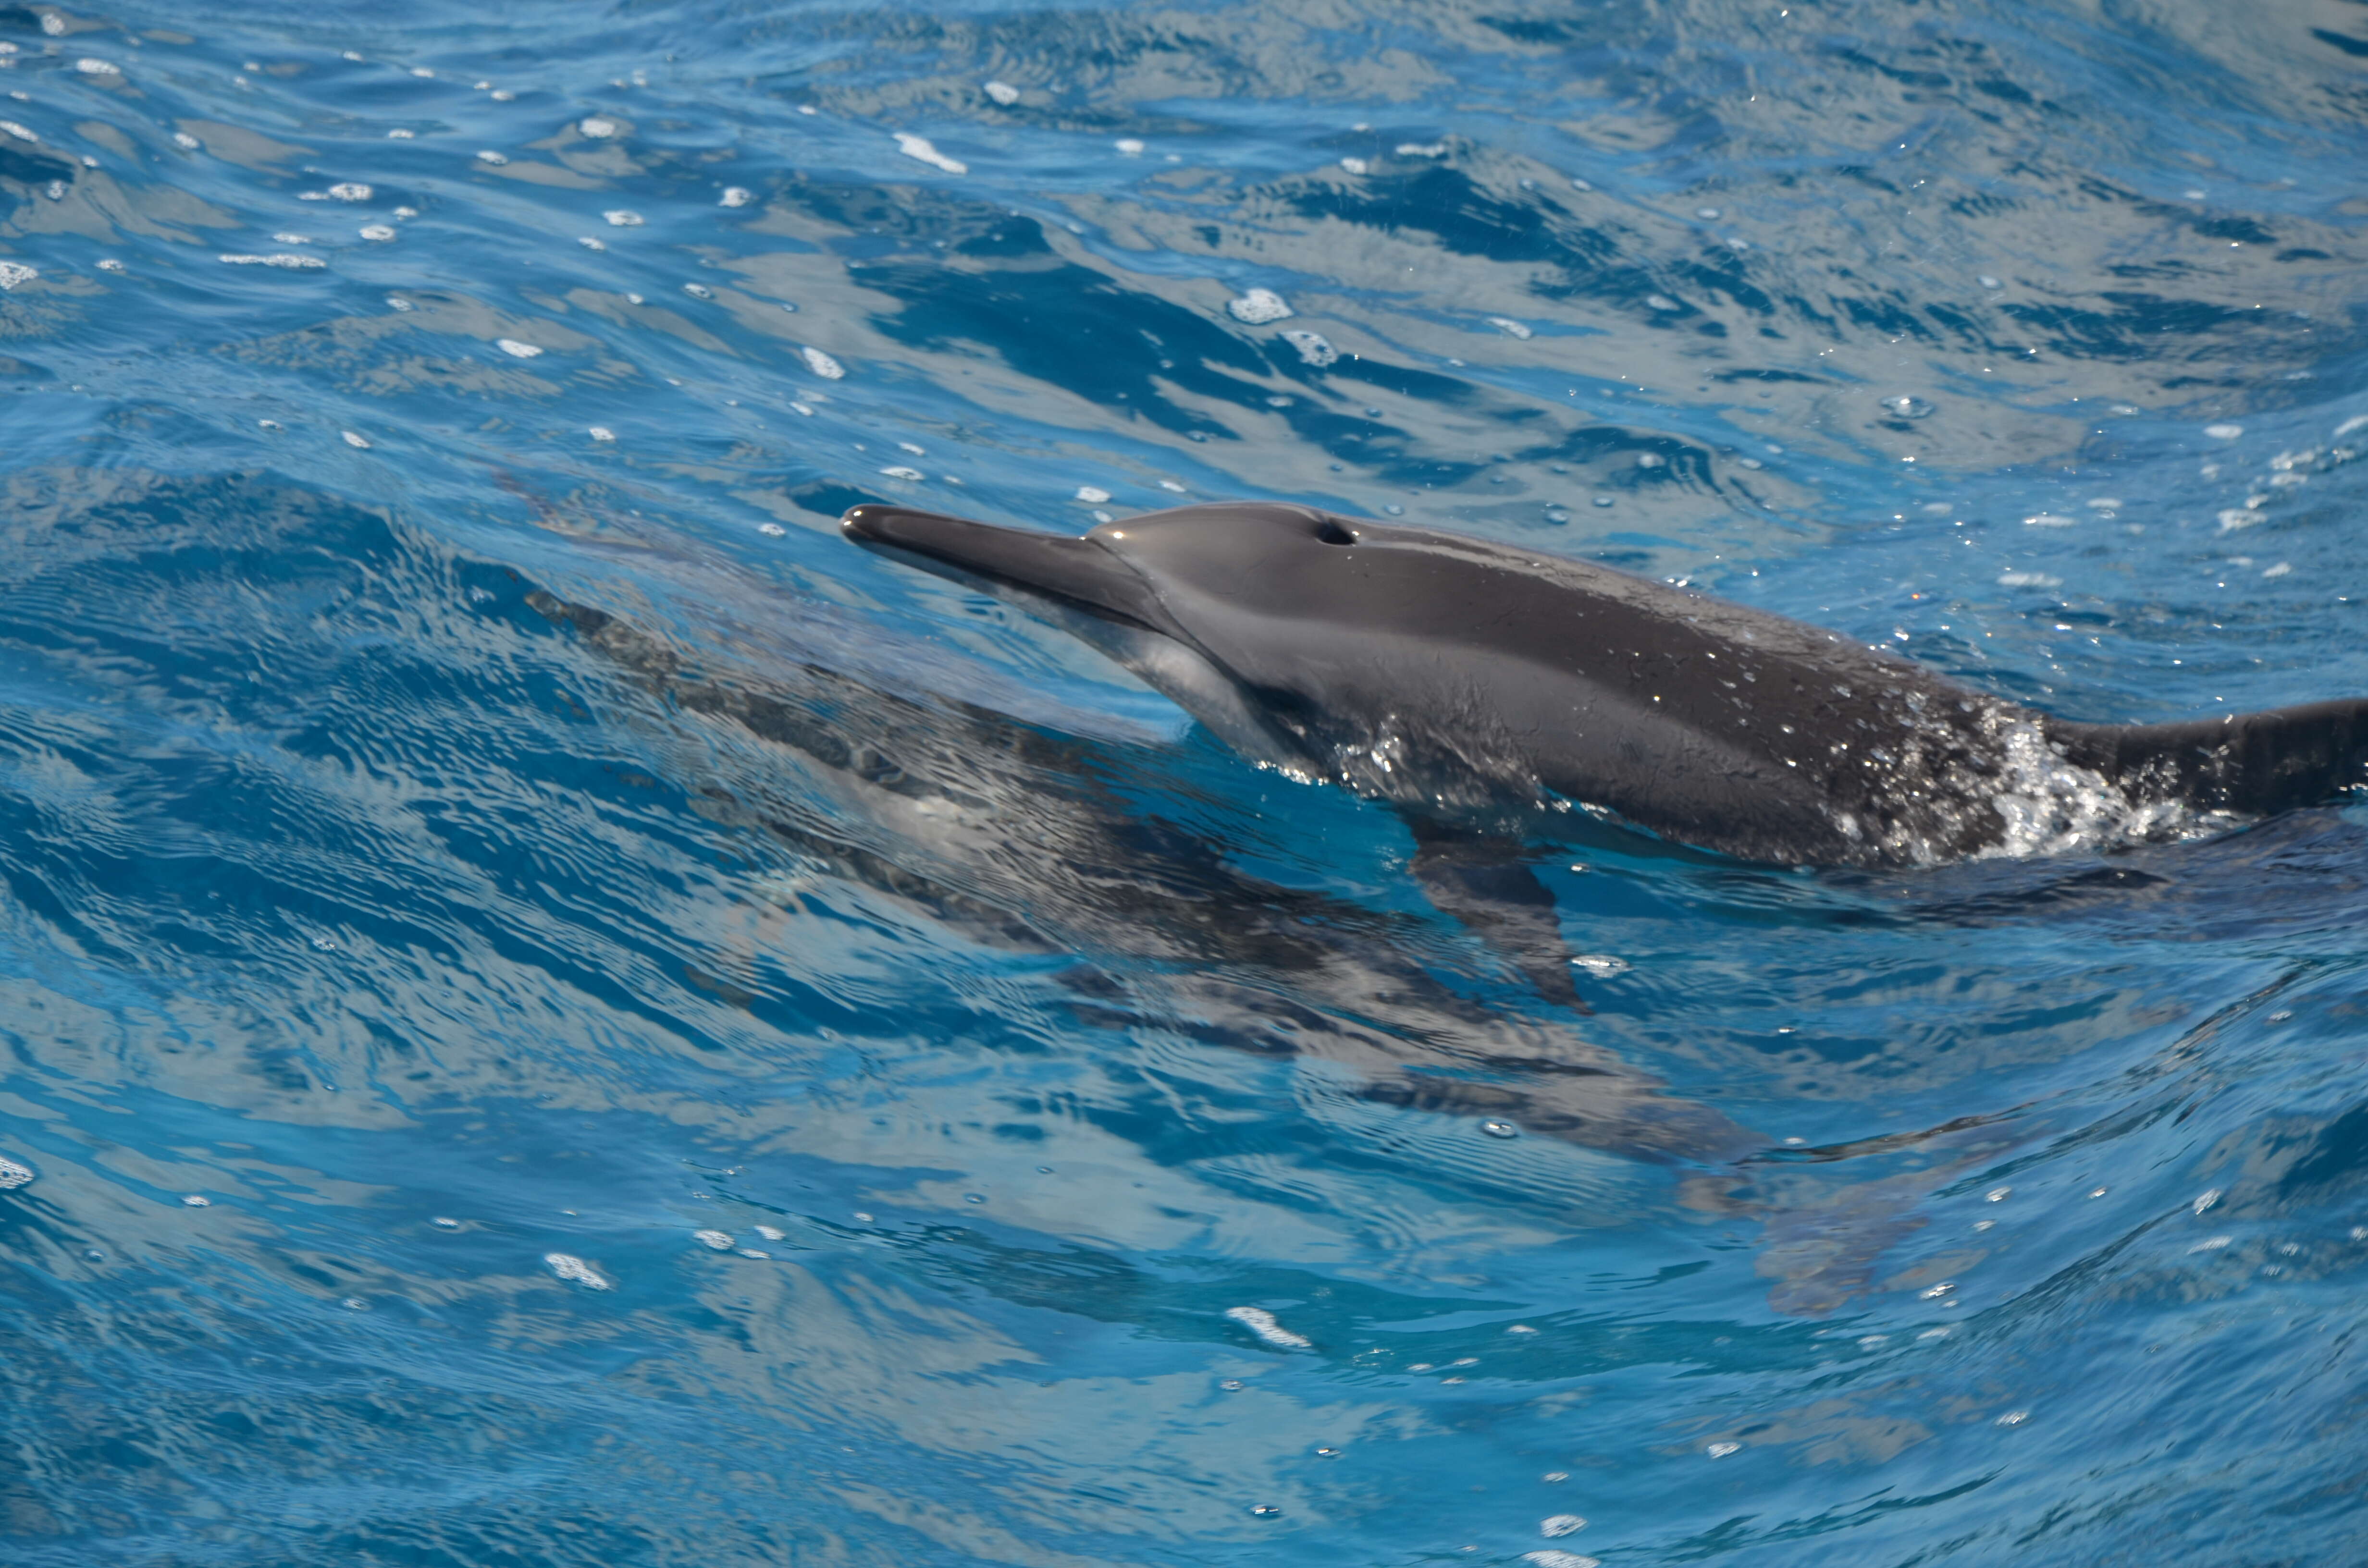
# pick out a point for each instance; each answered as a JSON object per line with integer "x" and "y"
{"x": 1464, "y": 679}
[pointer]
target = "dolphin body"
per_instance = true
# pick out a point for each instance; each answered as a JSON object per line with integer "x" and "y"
{"x": 1473, "y": 683}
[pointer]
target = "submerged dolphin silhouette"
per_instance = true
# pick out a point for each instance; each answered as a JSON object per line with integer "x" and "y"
{"x": 1460, "y": 677}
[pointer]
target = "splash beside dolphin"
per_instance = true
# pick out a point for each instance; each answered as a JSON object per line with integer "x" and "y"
{"x": 1460, "y": 677}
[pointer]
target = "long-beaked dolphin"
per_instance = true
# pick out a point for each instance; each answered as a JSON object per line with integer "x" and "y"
{"x": 1460, "y": 677}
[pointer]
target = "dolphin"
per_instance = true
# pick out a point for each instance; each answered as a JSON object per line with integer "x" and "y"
{"x": 1476, "y": 685}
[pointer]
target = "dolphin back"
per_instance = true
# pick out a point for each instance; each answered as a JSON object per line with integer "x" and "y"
{"x": 2252, "y": 764}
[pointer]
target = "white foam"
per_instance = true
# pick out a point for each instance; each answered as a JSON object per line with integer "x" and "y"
{"x": 1600, "y": 964}
{"x": 1260, "y": 1321}
{"x": 517, "y": 350}
{"x": 1547, "y": 1557}
{"x": 623, "y": 218}
{"x": 90, "y": 66}
{"x": 352, "y": 439}
{"x": 350, "y": 190}
{"x": 1355, "y": 165}
{"x": 22, "y": 134}
{"x": 1092, "y": 495}
{"x": 736, "y": 196}
{"x": 1422, "y": 149}
{"x": 568, "y": 1266}
{"x": 489, "y": 156}
{"x": 283, "y": 259}
{"x": 898, "y": 471}
{"x": 718, "y": 1241}
{"x": 186, "y": 142}
{"x": 601, "y": 433}
{"x": 12, "y": 1174}
{"x": 822, "y": 364}
{"x": 1002, "y": 93}
{"x": 2224, "y": 432}
{"x": 377, "y": 232}
{"x": 699, "y": 290}
{"x": 1509, "y": 327}
{"x": 1561, "y": 1525}
{"x": 598, "y": 127}
{"x": 2048, "y": 521}
{"x": 1256, "y": 307}
{"x": 921, "y": 148}
{"x": 14, "y": 272}
{"x": 1313, "y": 347}
{"x": 1128, "y": 147}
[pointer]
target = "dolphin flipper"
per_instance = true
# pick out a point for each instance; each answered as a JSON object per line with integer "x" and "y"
{"x": 1485, "y": 882}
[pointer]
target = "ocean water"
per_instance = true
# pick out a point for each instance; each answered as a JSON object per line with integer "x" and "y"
{"x": 555, "y": 1013}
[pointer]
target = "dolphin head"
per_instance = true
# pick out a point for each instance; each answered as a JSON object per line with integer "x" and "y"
{"x": 1169, "y": 595}
{"x": 1141, "y": 571}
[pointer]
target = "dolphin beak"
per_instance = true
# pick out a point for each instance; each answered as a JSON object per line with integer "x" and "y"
{"x": 1080, "y": 572}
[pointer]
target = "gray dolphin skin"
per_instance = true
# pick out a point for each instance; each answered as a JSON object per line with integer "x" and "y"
{"x": 1465, "y": 680}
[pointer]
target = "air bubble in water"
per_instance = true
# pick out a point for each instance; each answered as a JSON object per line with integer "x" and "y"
{"x": 1314, "y": 349}
{"x": 1260, "y": 1321}
{"x": 575, "y": 1268}
{"x": 923, "y": 149}
{"x": 1602, "y": 964}
{"x": 1500, "y": 1129}
{"x": 1257, "y": 307}
{"x": 699, "y": 290}
{"x": 1908, "y": 407}
{"x": 443, "y": 1224}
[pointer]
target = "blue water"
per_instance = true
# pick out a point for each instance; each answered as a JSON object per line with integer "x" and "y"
{"x": 557, "y": 1013}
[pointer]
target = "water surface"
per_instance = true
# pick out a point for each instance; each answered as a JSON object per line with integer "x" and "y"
{"x": 557, "y": 1014}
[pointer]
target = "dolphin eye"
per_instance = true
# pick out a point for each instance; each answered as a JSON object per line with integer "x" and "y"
{"x": 1331, "y": 532}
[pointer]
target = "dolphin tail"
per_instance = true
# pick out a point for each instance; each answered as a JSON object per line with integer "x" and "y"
{"x": 2250, "y": 763}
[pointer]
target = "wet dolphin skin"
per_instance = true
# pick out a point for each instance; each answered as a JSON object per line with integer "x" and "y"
{"x": 1461, "y": 679}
